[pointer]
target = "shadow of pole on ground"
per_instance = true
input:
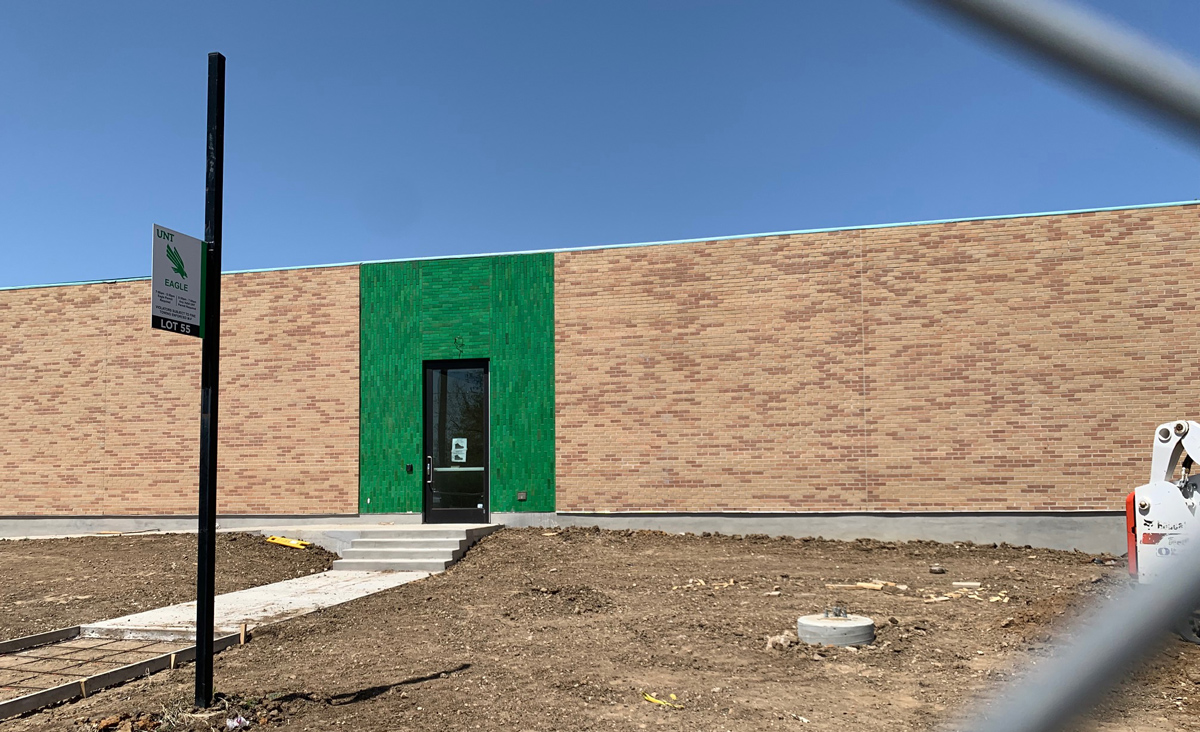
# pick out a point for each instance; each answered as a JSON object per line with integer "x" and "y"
{"x": 353, "y": 697}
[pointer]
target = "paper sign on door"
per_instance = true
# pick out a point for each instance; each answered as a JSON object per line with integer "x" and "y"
{"x": 458, "y": 450}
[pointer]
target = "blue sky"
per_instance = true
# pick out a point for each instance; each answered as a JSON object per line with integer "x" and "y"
{"x": 381, "y": 130}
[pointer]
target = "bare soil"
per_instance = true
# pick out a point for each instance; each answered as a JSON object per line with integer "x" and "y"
{"x": 567, "y": 629}
{"x": 47, "y": 584}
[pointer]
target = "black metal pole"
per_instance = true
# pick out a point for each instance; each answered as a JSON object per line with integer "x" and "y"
{"x": 206, "y": 551}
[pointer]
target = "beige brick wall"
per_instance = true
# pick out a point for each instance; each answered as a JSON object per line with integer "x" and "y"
{"x": 101, "y": 414}
{"x": 1016, "y": 364}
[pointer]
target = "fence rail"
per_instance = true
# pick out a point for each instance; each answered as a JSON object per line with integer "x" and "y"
{"x": 1113, "y": 639}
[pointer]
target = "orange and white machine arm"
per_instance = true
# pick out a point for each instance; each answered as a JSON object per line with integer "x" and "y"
{"x": 1159, "y": 515}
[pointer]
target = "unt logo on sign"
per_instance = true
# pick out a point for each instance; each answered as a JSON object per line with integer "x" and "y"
{"x": 176, "y": 260}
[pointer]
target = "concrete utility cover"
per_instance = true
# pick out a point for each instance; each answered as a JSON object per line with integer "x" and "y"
{"x": 253, "y": 607}
{"x": 833, "y": 630}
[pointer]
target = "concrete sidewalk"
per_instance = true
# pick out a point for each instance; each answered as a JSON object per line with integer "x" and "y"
{"x": 254, "y": 607}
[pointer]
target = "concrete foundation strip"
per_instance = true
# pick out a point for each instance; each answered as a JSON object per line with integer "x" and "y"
{"x": 92, "y": 684}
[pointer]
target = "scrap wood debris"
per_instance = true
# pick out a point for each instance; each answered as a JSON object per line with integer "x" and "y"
{"x": 968, "y": 592}
{"x": 695, "y": 584}
{"x": 871, "y": 585}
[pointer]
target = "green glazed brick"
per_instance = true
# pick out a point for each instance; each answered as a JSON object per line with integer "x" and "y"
{"x": 498, "y": 308}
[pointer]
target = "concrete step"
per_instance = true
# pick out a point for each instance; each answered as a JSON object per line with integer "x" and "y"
{"x": 411, "y": 552}
{"x": 428, "y": 531}
{"x": 389, "y": 565}
{"x": 406, "y": 543}
{"x": 413, "y": 548}
{"x": 457, "y": 534}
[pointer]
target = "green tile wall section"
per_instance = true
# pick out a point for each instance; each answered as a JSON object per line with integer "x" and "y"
{"x": 498, "y": 308}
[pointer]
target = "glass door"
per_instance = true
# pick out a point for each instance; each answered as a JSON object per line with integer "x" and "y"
{"x": 456, "y": 441}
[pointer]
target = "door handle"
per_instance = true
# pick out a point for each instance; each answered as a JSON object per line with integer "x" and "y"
{"x": 428, "y": 468}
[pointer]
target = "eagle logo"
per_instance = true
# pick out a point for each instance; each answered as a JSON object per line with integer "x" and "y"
{"x": 176, "y": 260}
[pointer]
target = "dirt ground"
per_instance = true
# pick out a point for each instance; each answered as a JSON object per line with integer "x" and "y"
{"x": 541, "y": 629}
{"x": 56, "y": 583}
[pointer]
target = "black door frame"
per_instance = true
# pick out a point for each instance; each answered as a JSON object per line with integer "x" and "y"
{"x": 450, "y": 515}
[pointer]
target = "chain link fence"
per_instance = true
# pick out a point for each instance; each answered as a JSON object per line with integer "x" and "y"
{"x": 1110, "y": 642}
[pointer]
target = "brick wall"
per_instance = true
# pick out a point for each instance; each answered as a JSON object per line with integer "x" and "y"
{"x": 1013, "y": 364}
{"x": 101, "y": 414}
